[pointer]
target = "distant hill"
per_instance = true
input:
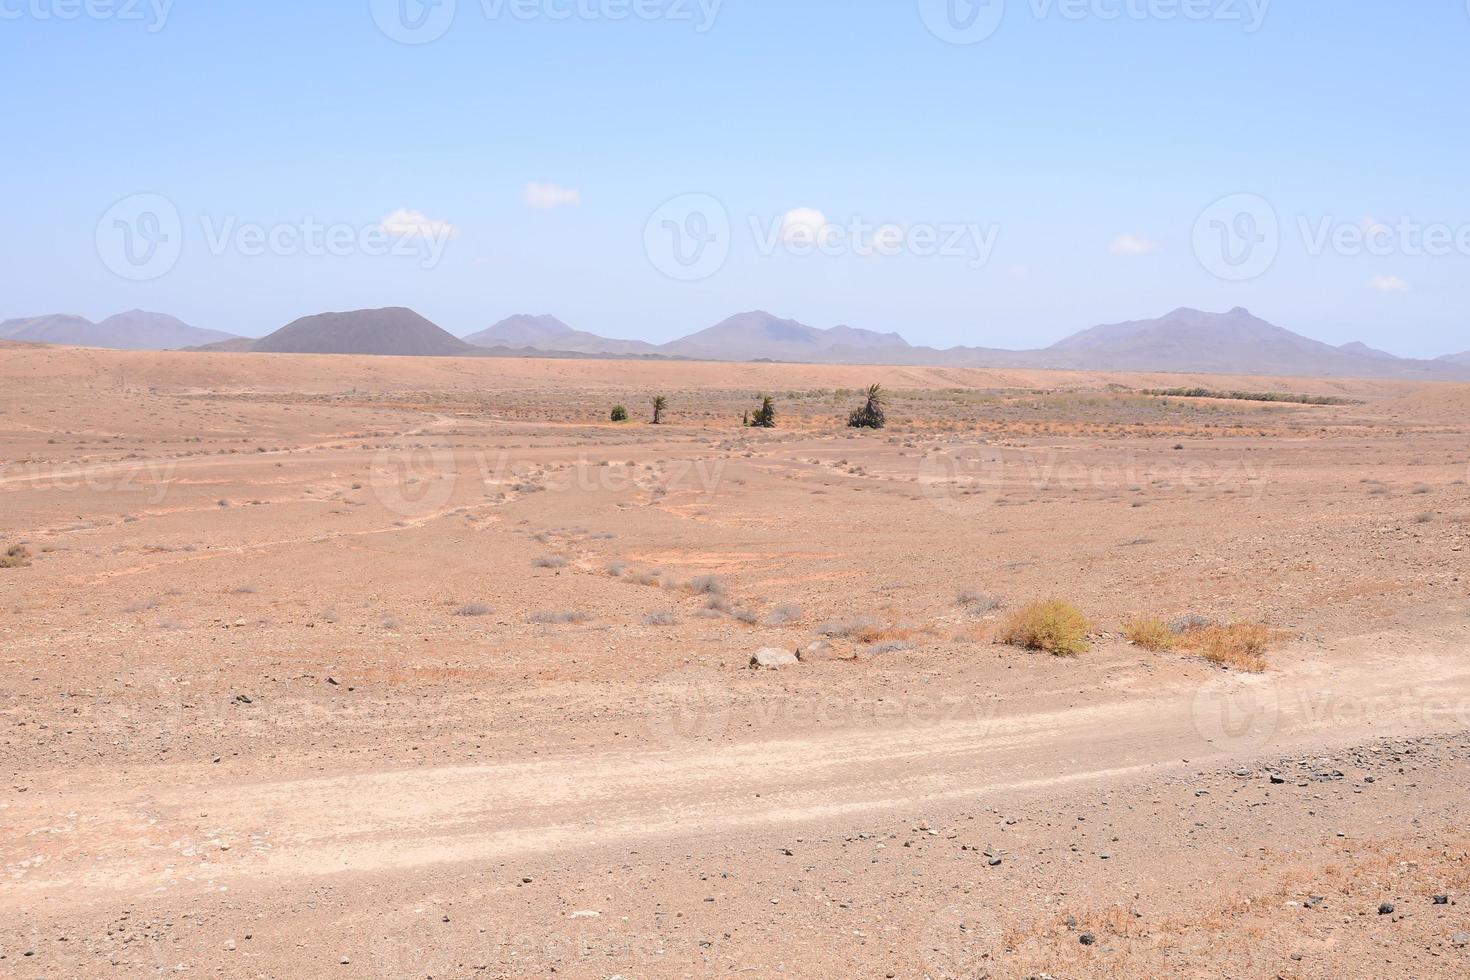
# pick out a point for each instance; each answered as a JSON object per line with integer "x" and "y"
{"x": 758, "y": 334}
{"x": 134, "y": 330}
{"x": 1184, "y": 341}
{"x": 1236, "y": 342}
{"x": 549, "y": 333}
{"x": 1358, "y": 347}
{"x": 391, "y": 331}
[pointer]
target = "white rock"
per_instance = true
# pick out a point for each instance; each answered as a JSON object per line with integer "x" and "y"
{"x": 773, "y": 659}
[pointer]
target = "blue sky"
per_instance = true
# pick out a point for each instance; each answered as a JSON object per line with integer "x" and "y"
{"x": 524, "y": 161}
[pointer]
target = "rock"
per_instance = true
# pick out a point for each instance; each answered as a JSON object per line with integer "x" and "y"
{"x": 1277, "y": 780}
{"x": 344, "y": 961}
{"x": 332, "y": 681}
{"x": 1461, "y": 939}
{"x": 994, "y": 862}
{"x": 815, "y": 651}
{"x": 243, "y": 698}
{"x": 773, "y": 659}
{"x": 1386, "y": 908}
{"x": 1087, "y": 939}
{"x": 1441, "y": 900}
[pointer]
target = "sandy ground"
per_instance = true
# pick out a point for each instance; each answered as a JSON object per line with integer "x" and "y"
{"x": 382, "y": 667}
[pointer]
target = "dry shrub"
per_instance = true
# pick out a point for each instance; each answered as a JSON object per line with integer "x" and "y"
{"x": 1242, "y": 646}
{"x": 16, "y": 556}
{"x": 1055, "y": 626}
{"x": 1151, "y": 634}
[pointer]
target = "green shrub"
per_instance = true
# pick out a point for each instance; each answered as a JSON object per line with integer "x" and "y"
{"x": 871, "y": 415}
{"x": 619, "y": 413}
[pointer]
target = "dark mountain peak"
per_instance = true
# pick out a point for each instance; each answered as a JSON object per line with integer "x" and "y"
{"x": 393, "y": 330}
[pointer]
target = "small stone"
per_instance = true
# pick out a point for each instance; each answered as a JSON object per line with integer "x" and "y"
{"x": 1386, "y": 908}
{"x": 344, "y": 961}
{"x": 1087, "y": 939}
{"x": 1441, "y": 900}
{"x": 1277, "y": 780}
{"x": 332, "y": 681}
{"x": 230, "y": 944}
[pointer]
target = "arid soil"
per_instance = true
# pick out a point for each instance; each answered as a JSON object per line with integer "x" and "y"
{"x": 390, "y": 667}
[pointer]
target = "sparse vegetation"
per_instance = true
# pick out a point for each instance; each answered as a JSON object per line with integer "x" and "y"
{"x": 706, "y": 585}
{"x": 978, "y": 603}
{"x": 660, "y": 405}
{"x": 473, "y": 609}
{"x": 1250, "y": 396}
{"x": 1242, "y": 646}
{"x": 1150, "y": 634}
{"x": 659, "y": 619}
{"x": 560, "y": 616}
{"x": 871, "y": 415}
{"x": 765, "y": 416}
{"x": 550, "y": 561}
{"x": 1055, "y": 626}
{"x": 16, "y": 556}
{"x": 619, "y": 414}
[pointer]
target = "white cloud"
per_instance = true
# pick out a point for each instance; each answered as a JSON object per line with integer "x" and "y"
{"x": 804, "y": 226}
{"x": 409, "y": 222}
{"x": 544, "y": 197}
{"x": 1389, "y": 284}
{"x": 1132, "y": 245}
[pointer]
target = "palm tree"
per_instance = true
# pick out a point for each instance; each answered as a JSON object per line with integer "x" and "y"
{"x": 765, "y": 416}
{"x": 870, "y": 416}
{"x": 659, "y": 404}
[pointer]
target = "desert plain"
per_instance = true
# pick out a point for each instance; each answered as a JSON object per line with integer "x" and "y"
{"x": 420, "y": 667}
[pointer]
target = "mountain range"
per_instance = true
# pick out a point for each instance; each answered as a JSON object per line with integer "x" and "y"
{"x": 1183, "y": 341}
{"x": 133, "y": 330}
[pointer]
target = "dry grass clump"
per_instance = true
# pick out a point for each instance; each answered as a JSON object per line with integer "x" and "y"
{"x": 866, "y": 630}
{"x": 1241, "y": 646}
{"x": 16, "y": 556}
{"x": 560, "y": 616}
{"x": 978, "y": 603}
{"x": 1151, "y": 634}
{"x": 473, "y": 609}
{"x": 660, "y": 619}
{"x": 1055, "y": 626}
{"x": 706, "y": 585}
{"x": 551, "y": 561}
